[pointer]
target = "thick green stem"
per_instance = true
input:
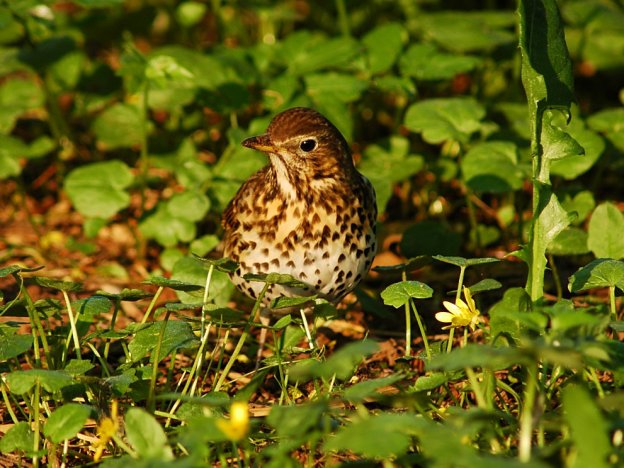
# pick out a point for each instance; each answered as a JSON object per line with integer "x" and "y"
{"x": 612, "y": 302}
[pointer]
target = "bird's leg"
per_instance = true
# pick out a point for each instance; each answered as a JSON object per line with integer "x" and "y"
{"x": 264, "y": 321}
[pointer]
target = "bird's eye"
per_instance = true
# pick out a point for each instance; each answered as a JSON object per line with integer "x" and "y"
{"x": 308, "y": 145}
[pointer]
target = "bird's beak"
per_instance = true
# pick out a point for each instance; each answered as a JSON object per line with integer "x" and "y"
{"x": 260, "y": 143}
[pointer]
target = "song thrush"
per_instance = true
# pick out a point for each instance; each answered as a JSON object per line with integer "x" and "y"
{"x": 309, "y": 213}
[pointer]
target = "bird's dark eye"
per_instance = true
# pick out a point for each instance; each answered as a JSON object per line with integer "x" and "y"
{"x": 307, "y": 145}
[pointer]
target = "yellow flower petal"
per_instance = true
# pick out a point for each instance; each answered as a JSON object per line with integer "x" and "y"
{"x": 237, "y": 427}
{"x": 444, "y": 317}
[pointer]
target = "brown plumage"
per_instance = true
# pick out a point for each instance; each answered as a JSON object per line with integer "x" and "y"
{"x": 309, "y": 213}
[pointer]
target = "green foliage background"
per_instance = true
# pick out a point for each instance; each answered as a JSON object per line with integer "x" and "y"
{"x": 138, "y": 109}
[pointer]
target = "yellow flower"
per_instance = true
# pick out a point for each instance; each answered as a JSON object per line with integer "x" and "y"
{"x": 237, "y": 427}
{"x": 106, "y": 429}
{"x": 460, "y": 314}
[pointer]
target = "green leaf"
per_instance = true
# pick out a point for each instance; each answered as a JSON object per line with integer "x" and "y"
{"x": 189, "y": 205}
{"x": 493, "y": 167}
{"x": 312, "y": 54}
{"x": 399, "y": 294}
{"x": 582, "y": 158}
{"x": 18, "y": 438}
{"x": 14, "y": 345}
{"x": 387, "y": 163}
{"x": 190, "y": 13}
{"x": 383, "y": 45}
{"x": 119, "y": 126}
{"x": 546, "y": 65}
{"x": 78, "y": 367}
{"x": 363, "y": 435}
{"x": 486, "y": 284}
{"x": 178, "y": 335}
{"x": 22, "y": 381}
{"x": 65, "y": 422}
{"x": 443, "y": 119}
{"x": 433, "y": 380}
{"x": 340, "y": 364}
{"x": 581, "y": 203}
{"x": 18, "y": 96}
{"x": 468, "y": 31}
{"x": 147, "y": 436}
{"x": 570, "y": 241}
{"x": 557, "y": 143}
{"x": 609, "y": 122}
{"x": 600, "y": 273}
{"x": 425, "y": 62}
{"x": 126, "y": 294}
{"x": 97, "y": 190}
{"x": 174, "y": 220}
{"x": 13, "y": 149}
{"x": 297, "y": 420}
{"x": 465, "y": 262}
{"x": 605, "y": 232}
{"x": 589, "y": 428}
{"x": 343, "y": 87}
{"x": 286, "y": 302}
{"x": 67, "y": 286}
{"x": 276, "y": 278}
{"x": 91, "y": 306}
{"x": 171, "y": 283}
{"x": 473, "y": 355}
{"x": 193, "y": 270}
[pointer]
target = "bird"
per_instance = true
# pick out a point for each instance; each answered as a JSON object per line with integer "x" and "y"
{"x": 308, "y": 213}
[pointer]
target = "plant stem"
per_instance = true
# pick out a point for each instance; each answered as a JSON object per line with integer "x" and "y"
{"x": 421, "y": 327}
{"x": 155, "y": 361}
{"x": 72, "y": 324}
{"x": 526, "y": 418}
{"x": 152, "y": 304}
{"x": 37, "y": 424}
{"x": 241, "y": 340}
{"x": 612, "y": 302}
{"x": 343, "y": 18}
